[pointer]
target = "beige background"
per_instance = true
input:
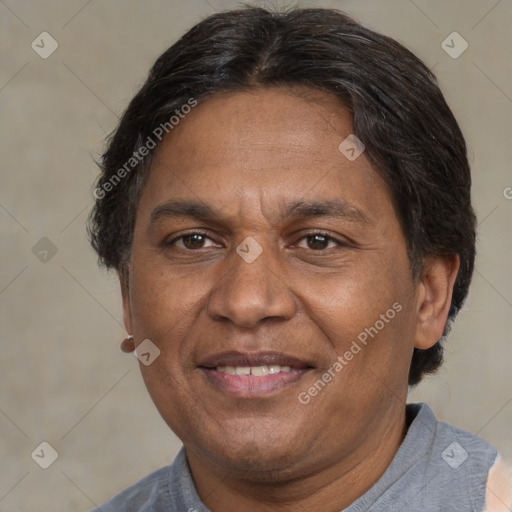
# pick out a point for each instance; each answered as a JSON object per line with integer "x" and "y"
{"x": 63, "y": 378}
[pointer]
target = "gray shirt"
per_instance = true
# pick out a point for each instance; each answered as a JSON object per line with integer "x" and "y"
{"x": 438, "y": 467}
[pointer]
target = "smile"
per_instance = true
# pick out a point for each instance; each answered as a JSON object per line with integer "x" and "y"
{"x": 253, "y": 375}
{"x": 257, "y": 371}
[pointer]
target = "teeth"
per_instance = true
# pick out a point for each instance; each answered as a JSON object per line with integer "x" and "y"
{"x": 257, "y": 371}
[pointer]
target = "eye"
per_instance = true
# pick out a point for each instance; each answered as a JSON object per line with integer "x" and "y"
{"x": 318, "y": 241}
{"x": 192, "y": 241}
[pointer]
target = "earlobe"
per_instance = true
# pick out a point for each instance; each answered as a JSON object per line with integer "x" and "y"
{"x": 434, "y": 299}
{"x": 128, "y": 344}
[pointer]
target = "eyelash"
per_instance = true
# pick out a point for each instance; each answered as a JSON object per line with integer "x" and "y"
{"x": 205, "y": 234}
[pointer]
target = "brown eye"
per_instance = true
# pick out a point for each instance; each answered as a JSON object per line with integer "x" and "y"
{"x": 193, "y": 241}
{"x": 318, "y": 242}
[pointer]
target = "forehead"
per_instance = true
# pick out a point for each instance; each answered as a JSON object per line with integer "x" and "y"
{"x": 280, "y": 121}
{"x": 265, "y": 146}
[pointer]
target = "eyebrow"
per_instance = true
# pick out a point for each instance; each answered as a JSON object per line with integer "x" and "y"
{"x": 301, "y": 209}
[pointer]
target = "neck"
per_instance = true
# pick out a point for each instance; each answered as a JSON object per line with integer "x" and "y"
{"x": 330, "y": 486}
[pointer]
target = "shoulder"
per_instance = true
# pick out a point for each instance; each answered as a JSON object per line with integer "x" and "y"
{"x": 458, "y": 464}
{"x": 151, "y": 493}
{"x": 460, "y": 448}
{"x": 498, "y": 496}
{"x": 450, "y": 446}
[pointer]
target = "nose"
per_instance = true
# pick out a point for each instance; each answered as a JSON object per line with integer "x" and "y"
{"x": 249, "y": 292}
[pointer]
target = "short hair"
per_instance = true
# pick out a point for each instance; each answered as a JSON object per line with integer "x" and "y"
{"x": 399, "y": 113}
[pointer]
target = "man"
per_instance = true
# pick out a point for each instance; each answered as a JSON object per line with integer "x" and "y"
{"x": 287, "y": 204}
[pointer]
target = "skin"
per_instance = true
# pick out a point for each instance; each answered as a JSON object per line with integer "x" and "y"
{"x": 248, "y": 155}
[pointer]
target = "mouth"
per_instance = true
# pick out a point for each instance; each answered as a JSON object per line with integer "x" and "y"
{"x": 251, "y": 375}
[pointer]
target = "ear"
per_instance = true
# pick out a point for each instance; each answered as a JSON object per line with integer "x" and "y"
{"x": 124, "y": 281}
{"x": 435, "y": 289}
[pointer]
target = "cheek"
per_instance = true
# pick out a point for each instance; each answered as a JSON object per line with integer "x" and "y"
{"x": 367, "y": 319}
{"x": 164, "y": 310}
{"x": 347, "y": 305}
{"x": 160, "y": 300}
{"x": 172, "y": 395}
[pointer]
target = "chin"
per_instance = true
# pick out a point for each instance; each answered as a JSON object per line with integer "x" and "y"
{"x": 257, "y": 460}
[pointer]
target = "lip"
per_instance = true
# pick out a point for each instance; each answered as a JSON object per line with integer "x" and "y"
{"x": 235, "y": 358}
{"x": 250, "y": 386}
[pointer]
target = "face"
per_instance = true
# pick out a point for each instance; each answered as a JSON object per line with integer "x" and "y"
{"x": 272, "y": 273}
